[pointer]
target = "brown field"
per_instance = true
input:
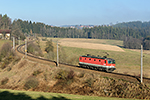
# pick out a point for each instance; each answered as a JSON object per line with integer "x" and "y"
{"x": 89, "y": 44}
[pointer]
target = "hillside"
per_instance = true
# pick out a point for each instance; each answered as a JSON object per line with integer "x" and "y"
{"x": 133, "y": 24}
{"x": 4, "y": 41}
{"x": 33, "y": 76}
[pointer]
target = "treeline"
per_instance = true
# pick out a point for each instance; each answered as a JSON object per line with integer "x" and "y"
{"x": 5, "y": 22}
{"x": 132, "y": 33}
{"x": 132, "y": 37}
{"x": 16, "y": 30}
{"x": 98, "y": 32}
{"x": 134, "y": 43}
{"x": 134, "y": 24}
{"x": 19, "y": 28}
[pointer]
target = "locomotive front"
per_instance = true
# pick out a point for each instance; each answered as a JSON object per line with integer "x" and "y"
{"x": 98, "y": 63}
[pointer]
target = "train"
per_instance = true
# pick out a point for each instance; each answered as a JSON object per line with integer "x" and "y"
{"x": 98, "y": 63}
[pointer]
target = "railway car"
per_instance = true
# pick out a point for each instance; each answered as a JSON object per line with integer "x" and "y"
{"x": 99, "y": 63}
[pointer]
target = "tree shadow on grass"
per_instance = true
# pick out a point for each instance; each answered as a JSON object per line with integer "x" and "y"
{"x": 5, "y": 95}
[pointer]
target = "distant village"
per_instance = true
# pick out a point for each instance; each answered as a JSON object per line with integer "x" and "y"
{"x": 81, "y": 26}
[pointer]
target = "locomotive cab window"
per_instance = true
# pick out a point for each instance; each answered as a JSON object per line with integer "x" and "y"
{"x": 89, "y": 59}
{"x": 109, "y": 62}
{"x": 99, "y": 60}
{"x": 113, "y": 62}
{"x": 105, "y": 61}
{"x": 80, "y": 58}
{"x": 94, "y": 59}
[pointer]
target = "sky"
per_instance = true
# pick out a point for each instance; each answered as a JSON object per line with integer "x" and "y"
{"x": 76, "y": 12}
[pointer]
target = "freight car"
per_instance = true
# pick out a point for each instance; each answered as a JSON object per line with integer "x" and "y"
{"x": 98, "y": 63}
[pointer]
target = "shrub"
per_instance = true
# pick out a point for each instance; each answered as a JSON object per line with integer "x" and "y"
{"x": 65, "y": 75}
{"x": 35, "y": 73}
{"x": 89, "y": 82}
{"x": 49, "y": 46}
{"x": 50, "y": 55}
{"x": 34, "y": 49}
{"x": 81, "y": 75}
{"x": 5, "y": 50}
{"x": 31, "y": 82}
{"x": 62, "y": 74}
{"x": 44, "y": 39}
{"x": 4, "y": 81}
{"x": 3, "y": 65}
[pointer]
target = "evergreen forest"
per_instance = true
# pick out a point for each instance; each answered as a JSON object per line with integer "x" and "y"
{"x": 132, "y": 33}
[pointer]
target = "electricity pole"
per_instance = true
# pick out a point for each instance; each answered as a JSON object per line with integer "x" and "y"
{"x": 57, "y": 55}
{"x": 141, "y": 63}
{"x": 25, "y": 47}
{"x": 13, "y": 43}
{"x": 19, "y": 39}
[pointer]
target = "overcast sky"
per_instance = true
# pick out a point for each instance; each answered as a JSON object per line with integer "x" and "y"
{"x": 75, "y": 12}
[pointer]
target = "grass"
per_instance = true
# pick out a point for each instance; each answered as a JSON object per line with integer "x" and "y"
{"x": 6, "y": 94}
{"x": 128, "y": 61}
{"x": 4, "y": 41}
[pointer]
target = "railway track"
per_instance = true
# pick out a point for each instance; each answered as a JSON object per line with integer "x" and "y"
{"x": 121, "y": 76}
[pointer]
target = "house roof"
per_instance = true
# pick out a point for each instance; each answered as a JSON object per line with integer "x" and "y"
{"x": 5, "y": 30}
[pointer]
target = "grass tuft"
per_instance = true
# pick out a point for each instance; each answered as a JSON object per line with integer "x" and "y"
{"x": 31, "y": 82}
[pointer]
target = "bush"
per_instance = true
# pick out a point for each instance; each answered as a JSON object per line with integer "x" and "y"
{"x": 4, "y": 81}
{"x": 49, "y": 46}
{"x": 37, "y": 72}
{"x": 44, "y": 39}
{"x": 50, "y": 55}
{"x": 81, "y": 75}
{"x": 65, "y": 75}
{"x": 5, "y": 50}
{"x": 89, "y": 82}
{"x": 34, "y": 49}
{"x": 7, "y": 61}
{"x": 31, "y": 82}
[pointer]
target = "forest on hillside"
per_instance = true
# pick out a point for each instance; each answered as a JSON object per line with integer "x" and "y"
{"x": 132, "y": 33}
{"x": 97, "y": 32}
{"x": 134, "y": 24}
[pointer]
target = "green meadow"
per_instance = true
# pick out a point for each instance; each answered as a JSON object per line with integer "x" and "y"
{"x": 6, "y": 94}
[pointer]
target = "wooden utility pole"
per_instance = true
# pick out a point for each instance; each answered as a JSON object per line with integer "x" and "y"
{"x": 141, "y": 63}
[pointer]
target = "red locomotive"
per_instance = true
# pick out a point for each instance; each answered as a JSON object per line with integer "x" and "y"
{"x": 99, "y": 63}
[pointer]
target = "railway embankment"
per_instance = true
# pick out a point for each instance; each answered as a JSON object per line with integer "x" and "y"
{"x": 33, "y": 76}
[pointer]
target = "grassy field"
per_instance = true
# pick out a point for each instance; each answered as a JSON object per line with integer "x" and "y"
{"x": 127, "y": 62}
{"x": 6, "y": 94}
{"x": 4, "y": 41}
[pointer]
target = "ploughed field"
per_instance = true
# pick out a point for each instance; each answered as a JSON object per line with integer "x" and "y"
{"x": 127, "y": 61}
{"x": 89, "y": 44}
